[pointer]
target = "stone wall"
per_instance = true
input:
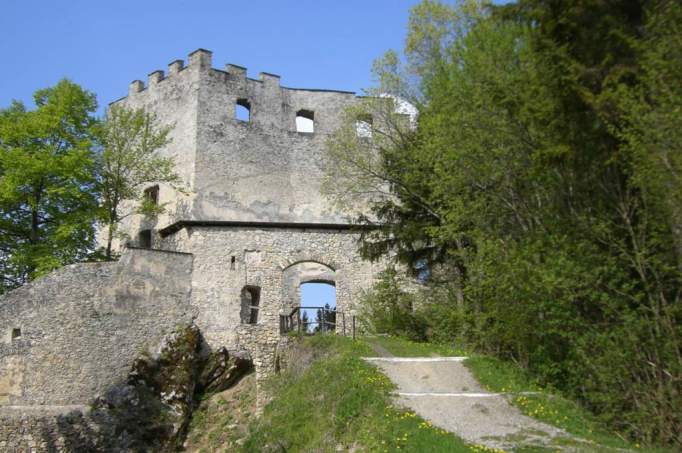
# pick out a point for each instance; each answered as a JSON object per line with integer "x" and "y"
{"x": 70, "y": 335}
{"x": 226, "y": 259}
{"x": 50, "y": 429}
{"x": 276, "y": 260}
{"x": 263, "y": 169}
{"x": 260, "y": 170}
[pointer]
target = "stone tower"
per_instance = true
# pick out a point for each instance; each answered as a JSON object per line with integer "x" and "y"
{"x": 257, "y": 170}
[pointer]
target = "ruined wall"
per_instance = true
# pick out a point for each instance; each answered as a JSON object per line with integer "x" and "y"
{"x": 46, "y": 430}
{"x": 81, "y": 326}
{"x": 263, "y": 257}
{"x": 263, "y": 169}
{"x": 260, "y": 170}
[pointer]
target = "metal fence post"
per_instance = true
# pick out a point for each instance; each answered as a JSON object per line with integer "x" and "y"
{"x": 343, "y": 317}
{"x": 353, "y": 327}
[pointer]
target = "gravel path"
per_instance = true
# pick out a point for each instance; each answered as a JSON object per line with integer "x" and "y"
{"x": 443, "y": 391}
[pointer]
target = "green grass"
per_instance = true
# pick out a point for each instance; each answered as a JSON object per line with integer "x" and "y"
{"x": 342, "y": 403}
{"x": 401, "y": 347}
{"x": 222, "y": 419}
{"x": 547, "y": 406}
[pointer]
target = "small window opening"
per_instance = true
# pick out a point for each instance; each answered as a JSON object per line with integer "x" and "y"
{"x": 305, "y": 121}
{"x": 16, "y": 333}
{"x": 250, "y": 304}
{"x": 145, "y": 239}
{"x": 233, "y": 262}
{"x": 242, "y": 110}
{"x": 152, "y": 194}
{"x": 363, "y": 126}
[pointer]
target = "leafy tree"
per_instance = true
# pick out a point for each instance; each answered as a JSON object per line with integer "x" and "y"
{"x": 541, "y": 178}
{"x": 129, "y": 161}
{"x": 47, "y": 183}
{"x": 325, "y": 319}
{"x": 388, "y": 308}
{"x": 305, "y": 321}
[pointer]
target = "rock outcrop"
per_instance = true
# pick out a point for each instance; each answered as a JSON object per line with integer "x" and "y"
{"x": 148, "y": 412}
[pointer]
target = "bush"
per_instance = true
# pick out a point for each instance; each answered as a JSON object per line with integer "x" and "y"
{"x": 389, "y": 309}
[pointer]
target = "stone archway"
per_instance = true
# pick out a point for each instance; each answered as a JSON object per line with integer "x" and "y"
{"x": 303, "y": 272}
{"x": 308, "y": 273}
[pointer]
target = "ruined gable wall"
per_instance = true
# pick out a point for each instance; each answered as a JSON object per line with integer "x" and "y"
{"x": 262, "y": 170}
{"x": 82, "y": 325}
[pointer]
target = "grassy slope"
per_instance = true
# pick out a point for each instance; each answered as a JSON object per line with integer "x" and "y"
{"x": 340, "y": 403}
{"x": 332, "y": 401}
{"x": 499, "y": 376}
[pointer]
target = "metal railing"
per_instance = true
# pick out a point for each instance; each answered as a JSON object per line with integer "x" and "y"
{"x": 326, "y": 320}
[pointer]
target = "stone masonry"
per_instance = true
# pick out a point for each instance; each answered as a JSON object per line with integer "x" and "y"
{"x": 228, "y": 254}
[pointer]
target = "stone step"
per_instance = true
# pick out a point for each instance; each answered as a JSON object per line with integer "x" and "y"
{"x": 415, "y": 359}
{"x": 428, "y": 374}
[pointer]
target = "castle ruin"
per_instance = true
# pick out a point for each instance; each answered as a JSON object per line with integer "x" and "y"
{"x": 229, "y": 254}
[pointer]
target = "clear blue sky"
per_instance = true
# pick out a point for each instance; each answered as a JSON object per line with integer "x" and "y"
{"x": 104, "y": 45}
{"x": 317, "y": 295}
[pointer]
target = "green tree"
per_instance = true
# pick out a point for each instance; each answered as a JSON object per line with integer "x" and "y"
{"x": 541, "y": 177}
{"x": 129, "y": 161}
{"x": 47, "y": 196}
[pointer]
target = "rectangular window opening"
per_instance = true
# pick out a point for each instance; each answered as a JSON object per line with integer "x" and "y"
{"x": 250, "y": 304}
{"x": 305, "y": 121}
{"x": 152, "y": 194}
{"x": 242, "y": 110}
{"x": 16, "y": 333}
{"x": 144, "y": 239}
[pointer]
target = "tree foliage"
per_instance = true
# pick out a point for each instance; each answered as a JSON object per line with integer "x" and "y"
{"x": 540, "y": 187}
{"x": 128, "y": 161}
{"x": 47, "y": 180}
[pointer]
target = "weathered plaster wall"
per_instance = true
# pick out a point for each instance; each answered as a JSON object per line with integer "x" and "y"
{"x": 82, "y": 326}
{"x": 261, "y": 170}
{"x": 173, "y": 97}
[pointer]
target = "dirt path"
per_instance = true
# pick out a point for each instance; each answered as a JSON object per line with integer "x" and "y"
{"x": 443, "y": 391}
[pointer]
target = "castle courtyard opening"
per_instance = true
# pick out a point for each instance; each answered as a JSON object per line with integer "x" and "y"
{"x": 318, "y": 306}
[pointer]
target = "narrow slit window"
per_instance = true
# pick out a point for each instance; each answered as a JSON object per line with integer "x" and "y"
{"x": 16, "y": 333}
{"x": 152, "y": 194}
{"x": 242, "y": 110}
{"x": 144, "y": 239}
{"x": 250, "y": 304}
{"x": 305, "y": 121}
{"x": 363, "y": 126}
{"x": 233, "y": 263}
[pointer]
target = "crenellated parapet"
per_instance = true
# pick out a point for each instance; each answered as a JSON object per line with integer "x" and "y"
{"x": 199, "y": 61}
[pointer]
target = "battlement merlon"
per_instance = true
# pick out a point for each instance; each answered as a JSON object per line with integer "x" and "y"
{"x": 200, "y": 61}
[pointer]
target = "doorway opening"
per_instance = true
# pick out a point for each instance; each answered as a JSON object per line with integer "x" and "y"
{"x": 318, "y": 307}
